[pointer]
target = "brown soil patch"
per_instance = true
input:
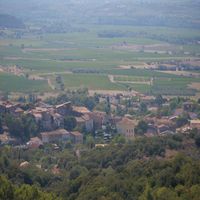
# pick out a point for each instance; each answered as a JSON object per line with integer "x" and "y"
{"x": 195, "y": 86}
{"x": 125, "y": 66}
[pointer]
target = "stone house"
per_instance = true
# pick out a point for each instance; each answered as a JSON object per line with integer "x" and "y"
{"x": 64, "y": 109}
{"x": 163, "y": 128}
{"x": 76, "y": 137}
{"x": 5, "y": 139}
{"x": 188, "y": 106}
{"x": 178, "y": 112}
{"x": 148, "y": 100}
{"x": 85, "y": 121}
{"x": 83, "y": 118}
{"x": 114, "y": 99}
{"x": 151, "y": 130}
{"x": 126, "y": 127}
{"x": 2, "y": 108}
{"x": 47, "y": 119}
{"x": 99, "y": 119}
{"x": 8, "y": 107}
{"x": 59, "y": 135}
{"x": 195, "y": 123}
{"x": 34, "y": 143}
{"x": 58, "y": 121}
{"x": 80, "y": 110}
{"x": 18, "y": 112}
{"x": 192, "y": 115}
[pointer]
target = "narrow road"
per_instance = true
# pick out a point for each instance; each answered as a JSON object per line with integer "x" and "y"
{"x": 111, "y": 78}
{"x": 50, "y": 84}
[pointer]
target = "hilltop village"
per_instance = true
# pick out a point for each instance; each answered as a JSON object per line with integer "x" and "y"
{"x": 113, "y": 116}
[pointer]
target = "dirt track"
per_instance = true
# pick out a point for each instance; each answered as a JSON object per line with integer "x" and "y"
{"x": 112, "y": 92}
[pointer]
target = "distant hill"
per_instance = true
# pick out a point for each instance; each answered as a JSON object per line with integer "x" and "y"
{"x": 8, "y": 21}
{"x": 166, "y": 13}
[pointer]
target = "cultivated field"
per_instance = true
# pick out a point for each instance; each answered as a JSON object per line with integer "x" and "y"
{"x": 12, "y": 83}
{"x": 90, "y": 58}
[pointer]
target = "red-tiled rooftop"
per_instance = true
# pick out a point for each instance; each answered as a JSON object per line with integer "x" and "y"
{"x": 76, "y": 133}
{"x": 63, "y": 104}
{"x": 56, "y": 132}
{"x": 81, "y": 109}
{"x": 125, "y": 120}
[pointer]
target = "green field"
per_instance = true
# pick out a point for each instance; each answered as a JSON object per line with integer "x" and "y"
{"x": 93, "y": 58}
{"x": 165, "y": 86}
{"x": 11, "y": 83}
{"x": 135, "y": 79}
{"x": 93, "y": 82}
{"x": 171, "y": 85}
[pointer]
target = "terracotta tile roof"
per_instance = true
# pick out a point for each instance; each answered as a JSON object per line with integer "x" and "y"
{"x": 99, "y": 113}
{"x": 4, "y": 137}
{"x": 40, "y": 109}
{"x": 197, "y": 121}
{"x": 64, "y": 104}
{"x": 56, "y": 132}
{"x": 79, "y": 119}
{"x": 19, "y": 110}
{"x": 76, "y": 133}
{"x": 126, "y": 120}
{"x": 82, "y": 110}
{"x": 83, "y": 118}
{"x": 35, "y": 139}
{"x": 37, "y": 115}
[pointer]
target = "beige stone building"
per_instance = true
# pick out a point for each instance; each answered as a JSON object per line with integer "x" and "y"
{"x": 64, "y": 109}
{"x": 59, "y": 135}
{"x": 126, "y": 127}
{"x": 76, "y": 137}
{"x": 34, "y": 143}
{"x": 195, "y": 123}
{"x": 85, "y": 121}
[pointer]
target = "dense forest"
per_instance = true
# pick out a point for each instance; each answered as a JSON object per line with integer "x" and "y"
{"x": 158, "y": 168}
